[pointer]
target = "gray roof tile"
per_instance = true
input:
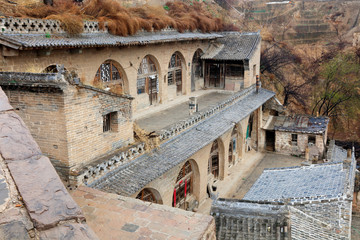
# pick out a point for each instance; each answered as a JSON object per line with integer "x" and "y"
{"x": 301, "y": 124}
{"x": 320, "y": 180}
{"x": 104, "y": 39}
{"x": 233, "y": 46}
{"x": 130, "y": 178}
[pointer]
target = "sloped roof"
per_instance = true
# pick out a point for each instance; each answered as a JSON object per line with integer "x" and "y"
{"x": 314, "y": 181}
{"x": 301, "y": 124}
{"x": 233, "y": 46}
{"x": 133, "y": 176}
{"x": 99, "y": 39}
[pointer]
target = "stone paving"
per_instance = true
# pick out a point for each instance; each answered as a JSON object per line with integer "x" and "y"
{"x": 166, "y": 117}
{"x": 116, "y": 217}
{"x": 236, "y": 187}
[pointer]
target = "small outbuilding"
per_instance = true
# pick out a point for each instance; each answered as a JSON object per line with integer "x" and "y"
{"x": 293, "y": 134}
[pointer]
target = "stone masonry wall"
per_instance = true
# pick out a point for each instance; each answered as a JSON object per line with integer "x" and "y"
{"x": 43, "y": 113}
{"x": 84, "y": 110}
{"x": 284, "y": 145}
{"x": 129, "y": 58}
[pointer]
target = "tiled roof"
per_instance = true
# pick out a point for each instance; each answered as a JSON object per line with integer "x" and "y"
{"x": 100, "y": 39}
{"x": 131, "y": 177}
{"x": 233, "y": 46}
{"x": 305, "y": 182}
{"x": 31, "y": 79}
{"x": 236, "y": 219}
{"x": 301, "y": 124}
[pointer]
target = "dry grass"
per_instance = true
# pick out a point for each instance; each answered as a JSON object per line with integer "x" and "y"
{"x": 141, "y": 135}
{"x": 122, "y": 21}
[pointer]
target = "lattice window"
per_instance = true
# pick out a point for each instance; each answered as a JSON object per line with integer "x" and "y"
{"x": 147, "y": 66}
{"x": 109, "y": 74}
{"x": 213, "y": 167}
{"x": 146, "y": 195}
{"x": 235, "y": 70}
{"x": 183, "y": 186}
{"x": 197, "y": 64}
{"x": 107, "y": 122}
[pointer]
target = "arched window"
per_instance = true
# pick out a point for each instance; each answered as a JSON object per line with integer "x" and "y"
{"x": 146, "y": 195}
{"x": 213, "y": 167}
{"x": 175, "y": 72}
{"x": 197, "y": 64}
{"x": 183, "y": 186}
{"x": 147, "y": 79}
{"x": 108, "y": 75}
{"x": 232, "y": 146}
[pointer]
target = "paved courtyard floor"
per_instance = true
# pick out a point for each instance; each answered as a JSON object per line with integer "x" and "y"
{"x": 241, "y": 180}
{"x": 157, "y": 118}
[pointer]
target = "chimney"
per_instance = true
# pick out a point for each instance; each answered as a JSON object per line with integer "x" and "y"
{"x": 349, "y": 153}
{"x": 258, "y": 84}
{"x": 348, "y": 156}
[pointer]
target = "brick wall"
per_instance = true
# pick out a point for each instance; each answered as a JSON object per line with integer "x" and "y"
{"x": 84, "y": 122}
{"x": 68, "y": 126}
{"x": 43, "y": 114}
{"x": 250, "y": 74}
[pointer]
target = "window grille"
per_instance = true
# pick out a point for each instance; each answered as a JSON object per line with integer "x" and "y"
{"x": 107, "y": 122}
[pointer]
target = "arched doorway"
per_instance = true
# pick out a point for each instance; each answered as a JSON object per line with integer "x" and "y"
{"x": 175, "y": 75}
{"x": 233, "y": 146}
{"x": 183, "y": 186}
{"x": 147, "y": 79}
{"x": 196, "y": 70}
{"x": 249, "y": 130}
{"x": 110, "y": 76}
{"x": 213, "y": 167}
{"x": 149, "y": 195}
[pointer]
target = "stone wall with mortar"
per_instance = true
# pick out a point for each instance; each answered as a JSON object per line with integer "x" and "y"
{"x": 86, "y": 65}
{"x": 283, "y": 143}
